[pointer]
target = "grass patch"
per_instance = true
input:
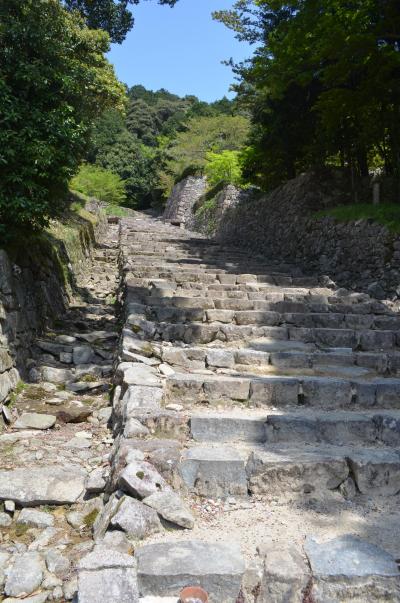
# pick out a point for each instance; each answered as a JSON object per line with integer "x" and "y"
{"x": 386, "y": 214}
{"x": 90, "y": 518}
{"x": 117, "y": 210}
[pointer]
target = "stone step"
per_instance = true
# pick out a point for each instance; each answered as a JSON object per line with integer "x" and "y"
{"x": 339, "y": 427}
{"x": 228, "y": 427}
{"x": 278, "y": 302}
{"x": 311, "y": 320}
{"x": 178, "y": 274}
{"x": 297, "y": 470}
{"x": 307, "y": 470}
{"x": 245, "y": 358}
{"x": 165, "y": 568}
{"x": 361, "y": 340}
{"x": 279, "y": 391}
{"x": 217, "y": 471}
{"x": 343, "y": 427}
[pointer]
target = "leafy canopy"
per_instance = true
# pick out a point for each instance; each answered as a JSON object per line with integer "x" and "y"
{"x": 54, "y": 80}
{"x": 323, "y": 85}
{"x": 112, "y": 16}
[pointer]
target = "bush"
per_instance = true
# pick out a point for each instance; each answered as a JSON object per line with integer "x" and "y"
{"x": 223, "y": 167}
{"x": 102, "y": 184}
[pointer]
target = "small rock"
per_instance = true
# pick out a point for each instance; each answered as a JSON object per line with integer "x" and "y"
{"x": 38, "y": 519}
{"x": 176, "y": 407}
{"x": 84, "y": 434}
{"x": 141, "y": 479}
{"x": 170, "y": 506}
{"x": 135, "y": 428}
{"x": 134, "y": 518}
{"x": 70, "y": 589}
{"x": 9, "y": 506}
{"x": 166, "y": 370}
{"x": 48, "y": 387}
{"x": 78, "y": 443}
{"x": 33, "y": 420}
{"x": 75, "y": 519}
{"x": 25, "y": 575}
{"x": 5, "y": 520}
{"x": 95, "y": 482}
{"x": 57, "y": 564}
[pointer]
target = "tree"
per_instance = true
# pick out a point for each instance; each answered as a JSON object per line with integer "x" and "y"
{"x": 102, "y": 184}
{"x": 54, "y": 80}
{"x": 112, "y": 16}
{"x": 323, "y": 85}
{"x": 223, "y": 167}
{"x": 188, "y": 150}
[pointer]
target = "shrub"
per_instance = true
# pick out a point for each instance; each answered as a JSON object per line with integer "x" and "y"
{"x": 223, "y": 167}
{"x": 102, "y": 184}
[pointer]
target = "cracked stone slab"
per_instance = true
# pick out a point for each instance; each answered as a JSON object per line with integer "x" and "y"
{"x": 52, "y": 485}
{"x": 107, "y": 576}
{"x": 171, "y": 507}
{"x": 349, "y": 568}
{"x": 165, "y": 568}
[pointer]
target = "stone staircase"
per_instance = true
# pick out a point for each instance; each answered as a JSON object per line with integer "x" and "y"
{"x": 277, "y": 388}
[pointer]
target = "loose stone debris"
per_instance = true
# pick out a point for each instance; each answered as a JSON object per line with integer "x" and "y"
{"x": 235, "y": 426}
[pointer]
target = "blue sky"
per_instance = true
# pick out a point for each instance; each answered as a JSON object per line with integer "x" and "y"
{"x": 180, "y": 49}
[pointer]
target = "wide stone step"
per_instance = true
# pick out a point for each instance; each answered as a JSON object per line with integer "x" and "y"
{"x": 164, "y": 569}
{"x": 198, "y": 332}
{"x": 343, "y": 427}
{"x": 245, "y": 358}
{"x": 339, "y": 427}
{"x": 279, "y": 391}
{"x": 228, "y": 427}
{"x": 193, "y": 312}
{"x": 303, "y": 470}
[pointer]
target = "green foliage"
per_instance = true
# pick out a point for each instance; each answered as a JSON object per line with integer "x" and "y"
{"x": 143, "y": 147}
{"x": 102, "y": 184}
{"x": 113, "y": 16}
{"x": 54, "y": 80}
{"x": 223, "y": 167}
{"x": 387, "y": 214}
{"x": 201, "y": 136}
{"x": 323, "y": 86}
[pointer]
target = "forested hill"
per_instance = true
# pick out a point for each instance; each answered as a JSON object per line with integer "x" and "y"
{"x": 158, "y": 138}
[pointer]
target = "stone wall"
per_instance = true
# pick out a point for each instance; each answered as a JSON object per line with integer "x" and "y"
{"x": 36, "y": 281}
{"x": 179, "y": 208}
{"x": 360, "y": 255}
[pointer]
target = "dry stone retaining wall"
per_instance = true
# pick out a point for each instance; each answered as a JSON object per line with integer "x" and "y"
{"x": 33, "y": 290}
{"x": 179, "y": 209}
{"x": 360, "y": 255}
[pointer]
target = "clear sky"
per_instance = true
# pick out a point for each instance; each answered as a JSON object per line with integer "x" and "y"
{"x": 179, "y": 49}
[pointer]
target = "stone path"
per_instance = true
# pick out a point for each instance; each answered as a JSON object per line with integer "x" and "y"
{"x": 269, "y": 400}
{"x": 251, "y": 446}
{"x": 55, "y": 457}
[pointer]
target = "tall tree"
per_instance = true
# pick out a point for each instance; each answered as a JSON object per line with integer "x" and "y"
{"x": 54, "y": 80}
{"x": 326, "y": 75}
{"x": 113, "y": 16}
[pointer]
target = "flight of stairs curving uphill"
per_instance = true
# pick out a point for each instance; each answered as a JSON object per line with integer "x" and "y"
{"x": 275, "y": 414}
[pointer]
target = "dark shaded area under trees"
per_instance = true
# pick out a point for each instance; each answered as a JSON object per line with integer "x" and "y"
{"x": 323, "y": 86}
